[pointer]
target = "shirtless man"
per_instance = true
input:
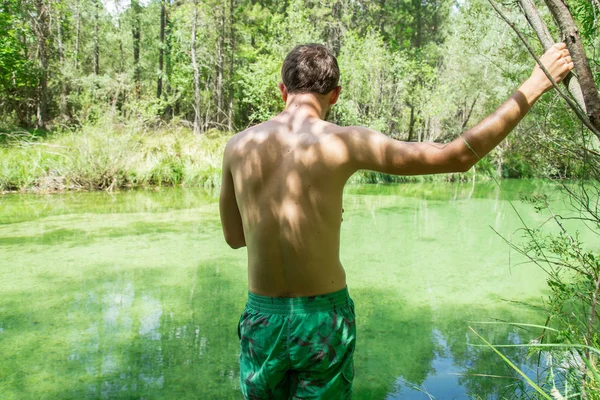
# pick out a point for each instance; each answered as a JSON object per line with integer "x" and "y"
{"x": 281, "y": 196}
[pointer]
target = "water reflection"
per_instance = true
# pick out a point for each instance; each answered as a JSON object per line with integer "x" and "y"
{"x": 140, "y": 298}
{"x": 410, "y": 353}
{"x": 144, "y": 344}
{"x": 442, "y": 377}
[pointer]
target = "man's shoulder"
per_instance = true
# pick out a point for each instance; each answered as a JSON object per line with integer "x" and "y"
{"x": 348, "y": 133}
{"x": 251, "y": 130}
{"x": 240, "y": 140}
{"x": 331, "y": 131}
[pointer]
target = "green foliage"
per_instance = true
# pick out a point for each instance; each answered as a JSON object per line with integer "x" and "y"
{"x": 569, "y": 343}
{"x": 102, "y": 157}
{"x": 258, "y": 83}
{"x": 587, "y": 15}
{"x": 18, "y": 73}
{"x": 418, "y": 71}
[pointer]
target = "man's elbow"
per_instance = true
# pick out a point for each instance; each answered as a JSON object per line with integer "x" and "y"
{"x": 235, "y": 241}
{"x": 236, "y": 245}
{"x": 464, "y": 164}
{"x": 464, "y": 167}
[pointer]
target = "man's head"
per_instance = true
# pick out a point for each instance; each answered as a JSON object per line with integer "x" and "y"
{"x": 311, "y": 68}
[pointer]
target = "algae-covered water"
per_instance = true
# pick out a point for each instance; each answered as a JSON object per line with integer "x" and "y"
{"x": 136, "y": 295}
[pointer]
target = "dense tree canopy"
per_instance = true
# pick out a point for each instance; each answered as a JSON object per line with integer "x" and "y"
{"x": 413, "y": 69}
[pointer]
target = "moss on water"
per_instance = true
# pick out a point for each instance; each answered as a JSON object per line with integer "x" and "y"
{"x": 135, "y": 294}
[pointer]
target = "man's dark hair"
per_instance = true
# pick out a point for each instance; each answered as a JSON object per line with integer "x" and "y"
{"x": 310, "y": 68}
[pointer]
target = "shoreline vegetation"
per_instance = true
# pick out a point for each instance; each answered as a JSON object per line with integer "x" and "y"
{"x": 109, "y": 157}
{"x": 118, "y": 157}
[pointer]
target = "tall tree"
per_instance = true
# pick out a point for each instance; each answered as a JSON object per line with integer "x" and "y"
{"x": 570, "y": 34}
{"x": 196, "y": 72}
{"x": 231, "y": 63}
{"x": 161, "y": 51}
{"x": 136, "y": 33}
{"x": 41, "y": 29}
{"x": 220, "y": 67}
{"x": 57, "y": 22}
{"x": 96, "y": 61}
{"x": 541, "y": 30}
{"x": 334, "y": 35}
{"x": 77, "y": 35}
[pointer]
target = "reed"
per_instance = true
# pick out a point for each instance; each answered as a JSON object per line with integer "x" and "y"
{"x": 107, "y": 157}
{"x": 569, "y": 342}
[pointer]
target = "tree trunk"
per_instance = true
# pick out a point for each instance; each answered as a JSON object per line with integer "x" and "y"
{"x": 40, "y": 25}
{"x": 77, "y": 37}
{"x": 121, "y": 54}
{"x": 468, "y": 116}
{"x": 196, "y": 73}
{"x": 335, "y": 31}
{"x": 220, "y": 66}
{"x": 231, "y": 63}
{"x": 570, "y": 35}
{"x": 96, "y": 42}
{"x": 63, "y": 81}
{"x": 543, "y": 34}
{"x": 418, "y": 24}
{"x": 411, "y": 123}
{"x": 168, "y": 63}
{"x": 161, "y": 54}
{"x": 382, "y": 15}
{"x": 135, "y": 31}
{"x": 536, "y": 22}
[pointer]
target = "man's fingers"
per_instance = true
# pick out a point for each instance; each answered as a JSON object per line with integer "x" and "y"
{"x": 557, "y": 61}
{"x": 559, "y": 46}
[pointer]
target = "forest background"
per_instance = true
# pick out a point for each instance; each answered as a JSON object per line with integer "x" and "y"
{"x": 125, "y": 93}
{"x": 122, "y": 94}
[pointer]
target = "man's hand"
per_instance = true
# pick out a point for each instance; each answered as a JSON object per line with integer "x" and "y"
{"x": 557, "y": 61}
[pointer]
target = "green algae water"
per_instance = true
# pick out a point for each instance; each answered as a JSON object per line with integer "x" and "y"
{"x": 136, "y": 295}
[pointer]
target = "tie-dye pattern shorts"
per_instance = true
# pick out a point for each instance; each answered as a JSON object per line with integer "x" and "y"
{"x": 297, "y": 347}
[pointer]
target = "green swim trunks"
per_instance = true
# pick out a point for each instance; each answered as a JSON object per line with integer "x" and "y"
{"x": 297, "y": 347}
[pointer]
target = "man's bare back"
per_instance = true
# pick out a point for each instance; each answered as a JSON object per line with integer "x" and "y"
{"x": 282, "y": 186}
{"x": 288, "y": 175}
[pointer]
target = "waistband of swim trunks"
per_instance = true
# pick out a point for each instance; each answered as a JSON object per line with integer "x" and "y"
{"x": 298, "y": 305}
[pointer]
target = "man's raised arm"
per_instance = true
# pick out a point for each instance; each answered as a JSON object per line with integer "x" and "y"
{"x": 372, "y": 150}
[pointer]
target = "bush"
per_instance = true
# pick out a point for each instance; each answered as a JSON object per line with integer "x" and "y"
{"x": 108, "y": 157}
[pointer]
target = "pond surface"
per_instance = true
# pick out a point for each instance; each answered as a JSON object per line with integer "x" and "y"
{"x": 136, "y": 294}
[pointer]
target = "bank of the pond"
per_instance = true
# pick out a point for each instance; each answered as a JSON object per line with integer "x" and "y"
{"x": 109, "y": 158}
{"x": 118, "y": 157}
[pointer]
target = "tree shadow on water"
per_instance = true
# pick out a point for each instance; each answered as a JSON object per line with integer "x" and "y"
{"x": 404, "y": 350}
{"x": 138, "y": 334}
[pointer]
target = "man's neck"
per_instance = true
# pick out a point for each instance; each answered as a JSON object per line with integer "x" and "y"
{"x": 303, "y": 106}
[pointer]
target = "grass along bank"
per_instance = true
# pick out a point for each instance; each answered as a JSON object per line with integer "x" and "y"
{"x": 110, "y": 157}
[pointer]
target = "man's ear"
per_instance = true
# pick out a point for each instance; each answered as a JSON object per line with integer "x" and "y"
{"x": 283, "y": 91}
{"x": 335, "y": 94}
